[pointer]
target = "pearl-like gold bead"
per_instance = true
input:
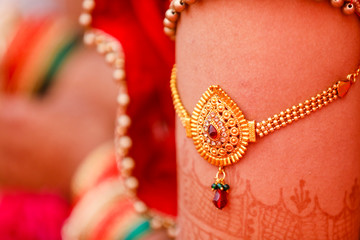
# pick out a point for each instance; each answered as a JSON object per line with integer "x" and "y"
{"x": 168, "y": 23}
{"x": 140, "y": 207}
{"x": 131, "y": 183}
{"x": 125, "y": 142}
{"x": 169, "y": 31}
{"x": 128, "y": 163}
{"x": 171, "y": 15}
{"x": 85, "y": 19}
{"x": 89, "y": 38}
{"x": 88, "y": 5}
{"x": 349, "y": 8}
{"x": 110, "y": 57}
{"x": 179, "y": 5}
{"x": 337, "y": 3}
{"x": 124, "y": 121}
{"x": 119, "y": 74}
{"x": 156, "y": 223}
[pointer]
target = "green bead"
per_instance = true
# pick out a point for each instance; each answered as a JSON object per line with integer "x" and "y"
{"x": 226, "y": 187}
{"x": 220, "y": 186}
{"x": 214, "y": 186}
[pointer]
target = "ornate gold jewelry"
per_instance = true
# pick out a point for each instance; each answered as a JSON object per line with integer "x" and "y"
{"x": 221, "y": 133}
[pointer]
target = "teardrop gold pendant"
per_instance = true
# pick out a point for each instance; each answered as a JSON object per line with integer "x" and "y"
{"x": 219, "y": 129}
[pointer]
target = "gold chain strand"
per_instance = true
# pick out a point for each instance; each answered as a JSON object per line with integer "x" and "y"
{"x": 179, "y": 107}
{"x": 297, "y": 112}
{"x": 221, "y": 133}
{"x": 352, "y": 77}
{"x": 284, "y": 118}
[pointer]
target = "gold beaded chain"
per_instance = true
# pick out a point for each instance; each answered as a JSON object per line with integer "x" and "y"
{"x": 282, "y": 119}
{"x": 219, "y": 129}
{"x": 221, "y": 133}
{"x": 112, "y": 50}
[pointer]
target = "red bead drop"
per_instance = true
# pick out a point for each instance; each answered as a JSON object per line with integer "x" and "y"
{"x": 220, "y": 199}
{"x": 212, "y": 132}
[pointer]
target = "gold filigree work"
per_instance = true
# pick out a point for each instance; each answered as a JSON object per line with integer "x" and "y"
{"x": 221, "y": 133}
{"x": 219, "y": 129}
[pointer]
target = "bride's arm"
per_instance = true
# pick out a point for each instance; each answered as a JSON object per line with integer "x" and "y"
{"x": 269, "y": 56}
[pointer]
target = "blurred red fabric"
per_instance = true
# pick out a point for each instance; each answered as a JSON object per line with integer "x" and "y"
{"x": 149, "y": 56}
{"x": 30, "y": 216}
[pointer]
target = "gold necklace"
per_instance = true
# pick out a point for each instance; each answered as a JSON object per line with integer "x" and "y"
{"x": 112, "y": 50}
{"x": 221, "y": 132}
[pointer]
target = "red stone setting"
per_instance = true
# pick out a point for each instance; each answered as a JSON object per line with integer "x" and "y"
{"x": 213, "y": 133}
{"x": 220, "y": 199}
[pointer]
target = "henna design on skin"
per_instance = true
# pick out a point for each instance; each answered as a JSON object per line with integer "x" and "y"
{"x": 302, "y": 199}
{"x": 246, "y": 217}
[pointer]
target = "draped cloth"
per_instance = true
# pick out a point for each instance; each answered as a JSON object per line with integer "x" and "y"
{"x": 149, "y": 56}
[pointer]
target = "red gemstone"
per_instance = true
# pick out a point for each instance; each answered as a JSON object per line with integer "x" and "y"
{"x": 212, "y": 132}
{"x": 220, "y": 199}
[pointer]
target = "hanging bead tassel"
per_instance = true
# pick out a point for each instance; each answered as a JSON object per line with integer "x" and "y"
{"x": 221, "y": 190}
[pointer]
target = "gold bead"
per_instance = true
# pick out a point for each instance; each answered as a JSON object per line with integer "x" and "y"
{"x": 349, "y": 8}
{"x": 171, "y": 15}
{"x": 88, "y": 5}
{"x": 169, "y": 24}
{"x": 169, "y": 31}
{"x": 85, "y": 19}
{"x": 179, "y": 5}
{"x": 337, "y": 3}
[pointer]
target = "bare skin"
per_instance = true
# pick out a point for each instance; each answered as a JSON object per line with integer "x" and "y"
{"x": 269, "y": 56}
{"x": 43, "y": 141}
